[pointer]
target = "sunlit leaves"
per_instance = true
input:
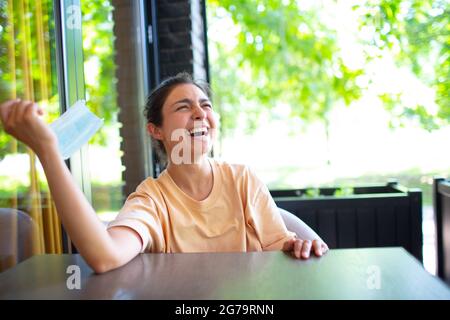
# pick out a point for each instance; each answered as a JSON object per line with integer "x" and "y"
{"x": 286, "y": 53}
{"x": 417, "y": 33}
{"x": 98, "y": 50}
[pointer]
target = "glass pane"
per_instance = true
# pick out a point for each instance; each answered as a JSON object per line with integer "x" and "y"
{"x": 28, "y": 71}
{"x": 334, "y": 93}
{"x": 100, "y": 83}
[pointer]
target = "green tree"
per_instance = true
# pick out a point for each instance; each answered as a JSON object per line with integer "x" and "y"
{"x": 27, "y": 40}
{"x": 98, "y": 50}
{"x": 292, "y": 56}
{"x": 421, "y": 32}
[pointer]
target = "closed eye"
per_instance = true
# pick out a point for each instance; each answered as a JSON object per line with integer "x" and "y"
{"x": 181, "y": 107}
{"x": 207, "y": 106}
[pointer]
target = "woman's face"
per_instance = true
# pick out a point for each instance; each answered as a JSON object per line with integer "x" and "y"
{"x": 189, "y": 124}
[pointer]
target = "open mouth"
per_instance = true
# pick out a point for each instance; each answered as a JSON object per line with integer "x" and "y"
{"x": 196, "y": 132}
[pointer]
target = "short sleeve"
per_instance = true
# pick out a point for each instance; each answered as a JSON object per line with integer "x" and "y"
{"x": 140, "y": 214}
{"x": 264, "y": 216}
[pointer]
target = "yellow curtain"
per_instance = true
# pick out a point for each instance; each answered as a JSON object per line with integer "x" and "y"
{"x": 29, "y": 75}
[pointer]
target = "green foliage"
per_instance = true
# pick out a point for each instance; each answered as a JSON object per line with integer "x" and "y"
{"x": 98, "y": 56}
{"x": 343, "y": 191}
{"x": 100, "y": 68}
{"x": 289, "y": 55}
{"x": 417, "y": 33}
{"x": 27, "y": 52}
{"x": 312, "y": 193}
{"x": 284, "y": 54}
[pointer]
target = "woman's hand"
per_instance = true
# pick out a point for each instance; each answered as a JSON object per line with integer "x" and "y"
{"x": 22, "y": 120}
{"x": 301, "y": 249}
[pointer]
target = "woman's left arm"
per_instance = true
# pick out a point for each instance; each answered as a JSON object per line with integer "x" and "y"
{"x": 311, "y": 240}
{"x": 266, "y": 218}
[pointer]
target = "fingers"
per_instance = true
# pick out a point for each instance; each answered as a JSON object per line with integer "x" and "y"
{"x": 16, "y": 111}
{"x": 317, "y": 247}
{"x": 298, "y": 248}
{"x": 19, "y": 118}
{"x": 19, "y": 111}
{"x": 31, "y": 110}
{"x": 5, "y": 109}
{"x": 306, "y": 249}
{"x": 289, "y": 245}
{"x": 12, "y": 112}
{"x": 303, "y": 248}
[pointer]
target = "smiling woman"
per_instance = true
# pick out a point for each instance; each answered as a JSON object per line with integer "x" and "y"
{"x": 198, "y": 205}
{"x": 178, "y": 111}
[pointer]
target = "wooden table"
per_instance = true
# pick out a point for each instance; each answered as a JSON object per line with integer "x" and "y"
{"x": 374, "y": 273}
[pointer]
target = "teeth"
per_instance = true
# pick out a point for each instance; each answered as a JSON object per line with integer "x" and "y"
{"x": 198, "y": 131}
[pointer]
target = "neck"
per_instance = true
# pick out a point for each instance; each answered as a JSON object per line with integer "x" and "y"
{"x": 195, "y": 179}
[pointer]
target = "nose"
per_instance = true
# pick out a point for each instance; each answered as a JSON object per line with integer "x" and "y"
{"x": 198, "y": 113}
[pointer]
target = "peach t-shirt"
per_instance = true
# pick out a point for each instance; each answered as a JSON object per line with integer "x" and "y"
{"x": 239, "y": 214}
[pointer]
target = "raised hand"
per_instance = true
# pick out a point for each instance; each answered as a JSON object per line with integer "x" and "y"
{"x": 22, "y": 120}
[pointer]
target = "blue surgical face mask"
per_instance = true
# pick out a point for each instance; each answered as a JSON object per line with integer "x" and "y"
{"x": 74, "y": 128}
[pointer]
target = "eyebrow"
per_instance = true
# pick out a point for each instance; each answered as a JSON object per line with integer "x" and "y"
{"x": 189, "y": 101}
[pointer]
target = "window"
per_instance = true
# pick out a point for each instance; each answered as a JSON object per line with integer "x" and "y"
{"x": 104, "y": 158}
{"x": 28, "y": 71}
{"x": 334, "y": 93}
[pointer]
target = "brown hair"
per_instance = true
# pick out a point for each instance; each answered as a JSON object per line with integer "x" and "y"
{"x": 157, "y": 98}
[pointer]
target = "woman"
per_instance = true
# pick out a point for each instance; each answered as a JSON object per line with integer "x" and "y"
{"x": 196, "y": 205}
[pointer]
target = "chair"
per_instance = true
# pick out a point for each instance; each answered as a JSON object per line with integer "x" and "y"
{"x": 294, "y": 224}
{"x": 16, "y": 237}
{"x": 441, "y": 205}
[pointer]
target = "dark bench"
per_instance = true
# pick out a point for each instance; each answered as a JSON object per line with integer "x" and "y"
{"x": 441, "y": 204}
{"x": 373, "y": 216}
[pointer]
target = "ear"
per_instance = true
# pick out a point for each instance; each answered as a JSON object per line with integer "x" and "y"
{"x": 154, "y": 131}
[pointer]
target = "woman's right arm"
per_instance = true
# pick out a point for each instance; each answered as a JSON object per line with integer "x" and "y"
{"x": 102, "y": 249}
